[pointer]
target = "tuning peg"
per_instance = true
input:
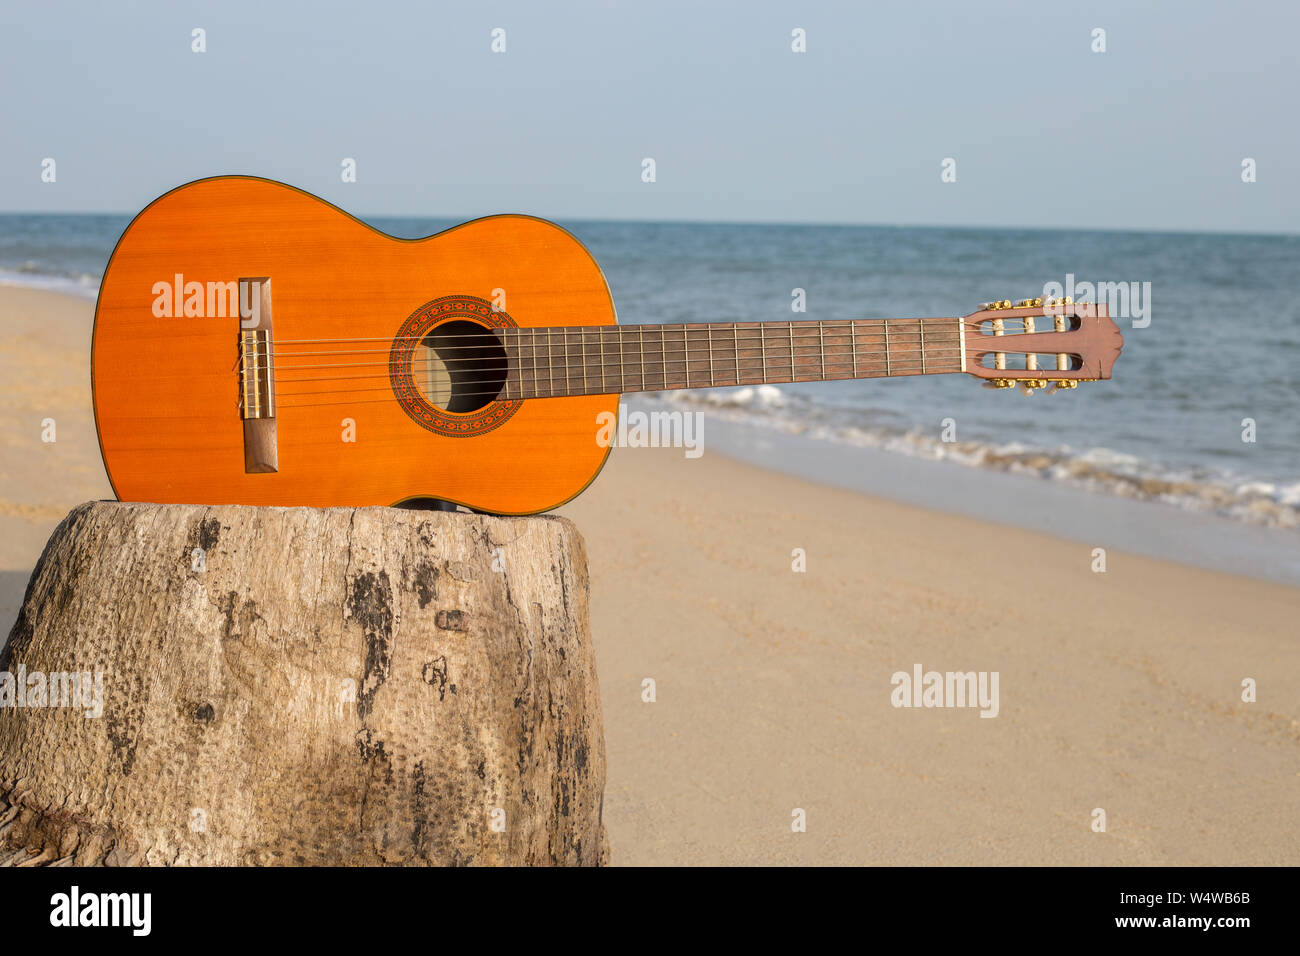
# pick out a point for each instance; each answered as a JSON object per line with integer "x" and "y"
{"x": 1029, "y": 303}
{"x": 1061, "y": 383}
{"x": 1027, "y": 385}
{"x": 1000, "y": 383}
{"x": 996, "y": 304}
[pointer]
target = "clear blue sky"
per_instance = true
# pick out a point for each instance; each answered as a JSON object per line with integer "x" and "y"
{"x": 1150, "y": 134}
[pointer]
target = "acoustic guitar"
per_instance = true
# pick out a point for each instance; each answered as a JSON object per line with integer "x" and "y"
{"x": 254, "y": 344}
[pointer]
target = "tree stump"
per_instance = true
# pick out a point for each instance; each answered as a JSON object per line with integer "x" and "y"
{"x": 302, "y": 686}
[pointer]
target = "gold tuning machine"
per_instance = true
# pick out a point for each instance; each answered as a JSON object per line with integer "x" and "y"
{"x": 1065, "y": 383}
{"x": 1029, "y": 303}
{"x": 1002, "y": 382}
{"x": 996, "y": 304}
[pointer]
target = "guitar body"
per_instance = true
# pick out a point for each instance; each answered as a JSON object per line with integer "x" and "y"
{"x": 167, "y": 387}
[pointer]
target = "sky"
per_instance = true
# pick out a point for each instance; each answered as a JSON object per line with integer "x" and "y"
{"x": 1150, "y": 134}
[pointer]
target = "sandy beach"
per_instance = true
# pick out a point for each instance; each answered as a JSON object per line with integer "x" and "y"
{"x": 1119, "y": 690}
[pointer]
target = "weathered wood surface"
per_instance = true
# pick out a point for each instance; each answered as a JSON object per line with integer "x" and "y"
{"x": 303, "y": 686}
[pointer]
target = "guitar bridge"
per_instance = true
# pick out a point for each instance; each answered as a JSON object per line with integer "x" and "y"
{"x": 257, "y": 380}
{"x": 256, "y": 375}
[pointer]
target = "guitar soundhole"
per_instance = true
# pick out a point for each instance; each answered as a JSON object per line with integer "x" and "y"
{"x": 448, "y": 366}
{"x": 460, "y": 367}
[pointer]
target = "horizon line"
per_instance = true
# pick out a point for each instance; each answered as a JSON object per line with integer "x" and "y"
{"x": 755, "y": 222}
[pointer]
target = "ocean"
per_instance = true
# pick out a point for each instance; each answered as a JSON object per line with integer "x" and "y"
{"x": 1217, "y": 361}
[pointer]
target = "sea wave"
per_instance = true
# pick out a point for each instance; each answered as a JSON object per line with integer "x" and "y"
{"x": 30, "y": 275}
{"x": 1243, "y": 498}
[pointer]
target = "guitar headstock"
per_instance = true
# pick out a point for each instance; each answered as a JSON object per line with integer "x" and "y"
{"x": 1038, "y": 342}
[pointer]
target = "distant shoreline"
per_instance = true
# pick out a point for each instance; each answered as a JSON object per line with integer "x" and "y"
{"x": 776, "y": 223}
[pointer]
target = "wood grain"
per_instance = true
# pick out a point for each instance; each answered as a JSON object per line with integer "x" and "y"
{"x": 303, "y": 686}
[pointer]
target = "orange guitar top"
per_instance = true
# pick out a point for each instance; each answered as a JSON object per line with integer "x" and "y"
{"x": 167, "y": 389}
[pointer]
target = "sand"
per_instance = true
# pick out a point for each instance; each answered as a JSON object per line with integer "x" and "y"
{"x": 44, "y": 374}
{"x": 1118, "y": 691}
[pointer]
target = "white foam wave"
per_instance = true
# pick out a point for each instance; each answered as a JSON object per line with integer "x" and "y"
{"x": 84, "y": 286}
{"x": 1103, "y": 470}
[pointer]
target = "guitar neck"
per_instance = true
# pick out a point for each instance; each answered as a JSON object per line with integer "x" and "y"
{"x": 599, "y": 360}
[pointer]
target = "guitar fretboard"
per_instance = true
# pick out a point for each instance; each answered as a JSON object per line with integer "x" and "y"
{"x": 577, "y": 360}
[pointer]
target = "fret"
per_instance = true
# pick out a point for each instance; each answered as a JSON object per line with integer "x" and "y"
{"x": 821, "y": 341}
{"x": 853, "y": 345}
{"x": 504, "y": 394}
{"x": 550, "y": 363}
{"x": 604, "y": 386}
{"x": 622, "y": 374}
{"x": 699, "y": 373}
{"x": 514, "y": 366}
{"x": 663, "y": 351}
{"x": 564, "y": 344}
{"x": 527, "y": 389}
{"x": 619, "y": 387}
{"x": 921, "y": 325}
{"x": 762, "y": 349}
{"x": 600, "y": 341}
{"x": 888, "y": 371}
{"x": 709, "y": 333}
{"x": 513, "y": 369}
{"x": 641, "y": 340}
{"x": 735, "y": 348}
{"x": 537, "y": 379}
{"x": 685, "y": 350}
{"x": 533, "y": 339}
{"x": 523, "y": 371}
{"x": 793, "y": 376}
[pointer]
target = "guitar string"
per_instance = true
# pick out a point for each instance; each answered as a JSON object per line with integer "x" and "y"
{"x": 901, "y": 369}
{"x": 543, "y": 337}
{"x": 672, "y": 326}
{"x": 643, "y": 372}
{"x": 497, "y": 394}
{"x": 545, "y": 351}
{"x": 540, "y": 355}
{"x": 519, "y": 344}
{"x": 577, "y": 362}
{"x": 529, "y": 398}
{"x": 730, "y": 343}
{"x": 285, "y": 400}
{"x": 813, "y": 340}
{"x": 625, "y": 385}
{"x": 581, "y": 364}
{"x": 625, "y": 370}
